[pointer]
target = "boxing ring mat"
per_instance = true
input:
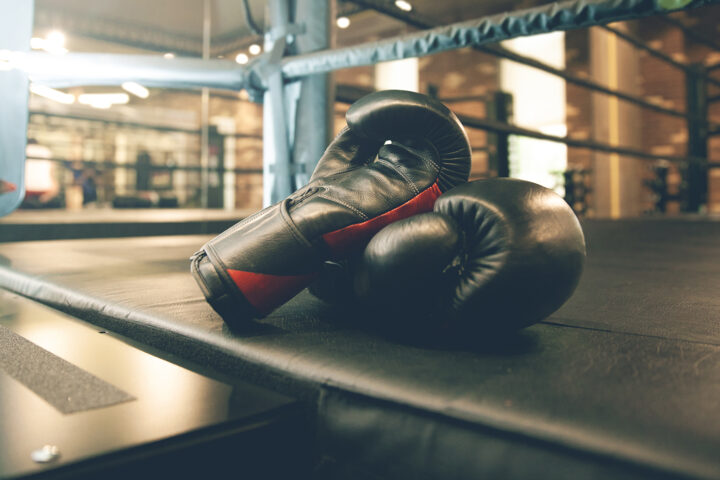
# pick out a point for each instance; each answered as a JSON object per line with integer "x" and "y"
{"x": 622, "y": 382}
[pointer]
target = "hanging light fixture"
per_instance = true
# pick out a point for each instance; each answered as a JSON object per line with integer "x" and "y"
{"x": 403, "y": 5}
{"x": 136, "y": 89}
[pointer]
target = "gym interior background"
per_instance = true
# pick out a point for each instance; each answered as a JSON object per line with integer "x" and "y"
{"x": 109, "y": 147}
{"x": 112, "y": 363}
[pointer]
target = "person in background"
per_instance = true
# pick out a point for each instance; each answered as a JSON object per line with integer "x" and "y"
{"x": 84, "y": 176}
{"x": 7, "y": 187}
{"x": 42, "y": 189}
{"x": 144, "y": 171}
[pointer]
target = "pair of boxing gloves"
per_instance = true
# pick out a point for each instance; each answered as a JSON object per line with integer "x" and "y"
{"x": 389, "y": 223}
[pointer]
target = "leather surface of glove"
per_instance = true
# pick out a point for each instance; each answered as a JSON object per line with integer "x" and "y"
{"x": 494, "y": 256}
{"x": 360, "y": 185}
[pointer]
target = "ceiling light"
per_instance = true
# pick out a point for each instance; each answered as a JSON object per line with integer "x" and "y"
{"x": 54, "y": 43}
{"x": 103, "y": 100}
{"x": 99, "y": 104}
{"x": 343, "y": 22}
{"x": 169, "y": 55}
{"x": 136, "y": 89}
{"x": 254, "y": 49}
{"x": 37, "y": 43}
{"x": 403, "y": 5}
{"x": 241, "y": 58}
{"x": 50, "y": 48}
{"x": 52, "y": 94}
{"x": 56, "y": 37}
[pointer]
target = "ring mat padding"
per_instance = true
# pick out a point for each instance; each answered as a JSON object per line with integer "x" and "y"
{"x": 63, "y": 385}
{"x": 619, "y": 383}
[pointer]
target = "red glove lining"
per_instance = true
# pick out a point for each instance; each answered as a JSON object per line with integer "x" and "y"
{"x": 353, "y": 237}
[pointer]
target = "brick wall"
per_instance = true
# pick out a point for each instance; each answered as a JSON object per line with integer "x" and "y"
{"x": 701, "y": 54}
{"x": 664, "y": 85}
{"x": 657, "y": 82}
{"x": 463, "y": 73}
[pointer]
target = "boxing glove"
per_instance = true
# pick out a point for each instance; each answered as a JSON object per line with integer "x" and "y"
{"x": 493, "y": 256}
{"x": 360, "y": 185}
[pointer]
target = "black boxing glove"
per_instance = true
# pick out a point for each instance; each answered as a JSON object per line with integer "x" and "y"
{"x": 494, "y": 256}
{"x": 359, "y": 186}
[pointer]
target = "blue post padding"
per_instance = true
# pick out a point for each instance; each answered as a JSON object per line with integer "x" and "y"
{"x": 16, "y": 24}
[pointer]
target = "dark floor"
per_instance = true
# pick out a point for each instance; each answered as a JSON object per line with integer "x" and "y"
{"x": 621, "y": 382}
{"x": 28, "y": 225}
{"x": 100, "y": 402}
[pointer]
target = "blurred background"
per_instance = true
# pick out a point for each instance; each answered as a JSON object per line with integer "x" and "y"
{"x": 114, "y": 148}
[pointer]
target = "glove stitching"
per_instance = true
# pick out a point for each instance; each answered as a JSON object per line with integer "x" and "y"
{"x": 343, "y": 172}
{"x": 241, "y": 224}
{"x": 334, "y": 172}
{"x": 360, "y": 213}
{"x": 194, "y": 268}
{"x": 396, "y": 170}
{"x": 458, "y": 264}
{"x": 296, "y": 233}
{"x": 217, "y": 261}
{"x": 340, "y": 134}
{"x": 435, "y": 147}
{"x": 295, "y": 200}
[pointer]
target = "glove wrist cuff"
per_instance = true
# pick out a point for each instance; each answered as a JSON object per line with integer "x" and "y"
{"x": 265, "y": 262}
{"x": 230, "y": 303}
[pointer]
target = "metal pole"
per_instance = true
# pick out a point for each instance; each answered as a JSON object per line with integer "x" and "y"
{"x": 313, "y": 120}
{"x": 277, "y": 182}
{"x": 413, "y": 19}
{"x": 499, "y": 110}
{"x": 80, "y": 69}
{"x": 696, "y": 174}
{"x": 205, "y": 111}
{"x": 500, "y": 127}
{"x": 582, "y": 82}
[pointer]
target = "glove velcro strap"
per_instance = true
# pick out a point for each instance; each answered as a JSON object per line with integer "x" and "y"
{"x": 229, "y": 303}
{"x": 352, "y": 238}
{"x": 266, "y": 292}
{"x": 263, "y": 263}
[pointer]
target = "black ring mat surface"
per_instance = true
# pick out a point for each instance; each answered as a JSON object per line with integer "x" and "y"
{"x": 623, "y": 381}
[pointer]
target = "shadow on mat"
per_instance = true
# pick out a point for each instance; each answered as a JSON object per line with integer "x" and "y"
{"x": 308, "y": 314}
{"x": 499, "y": 343}
{"x": 251, "y": 329}
{"x": 404, "y": 331}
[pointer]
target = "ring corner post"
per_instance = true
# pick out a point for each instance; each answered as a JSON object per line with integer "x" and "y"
{"x": 313, "y": 118}
{"x": 16, "y": 26}
{"x": 697, "y": 149}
